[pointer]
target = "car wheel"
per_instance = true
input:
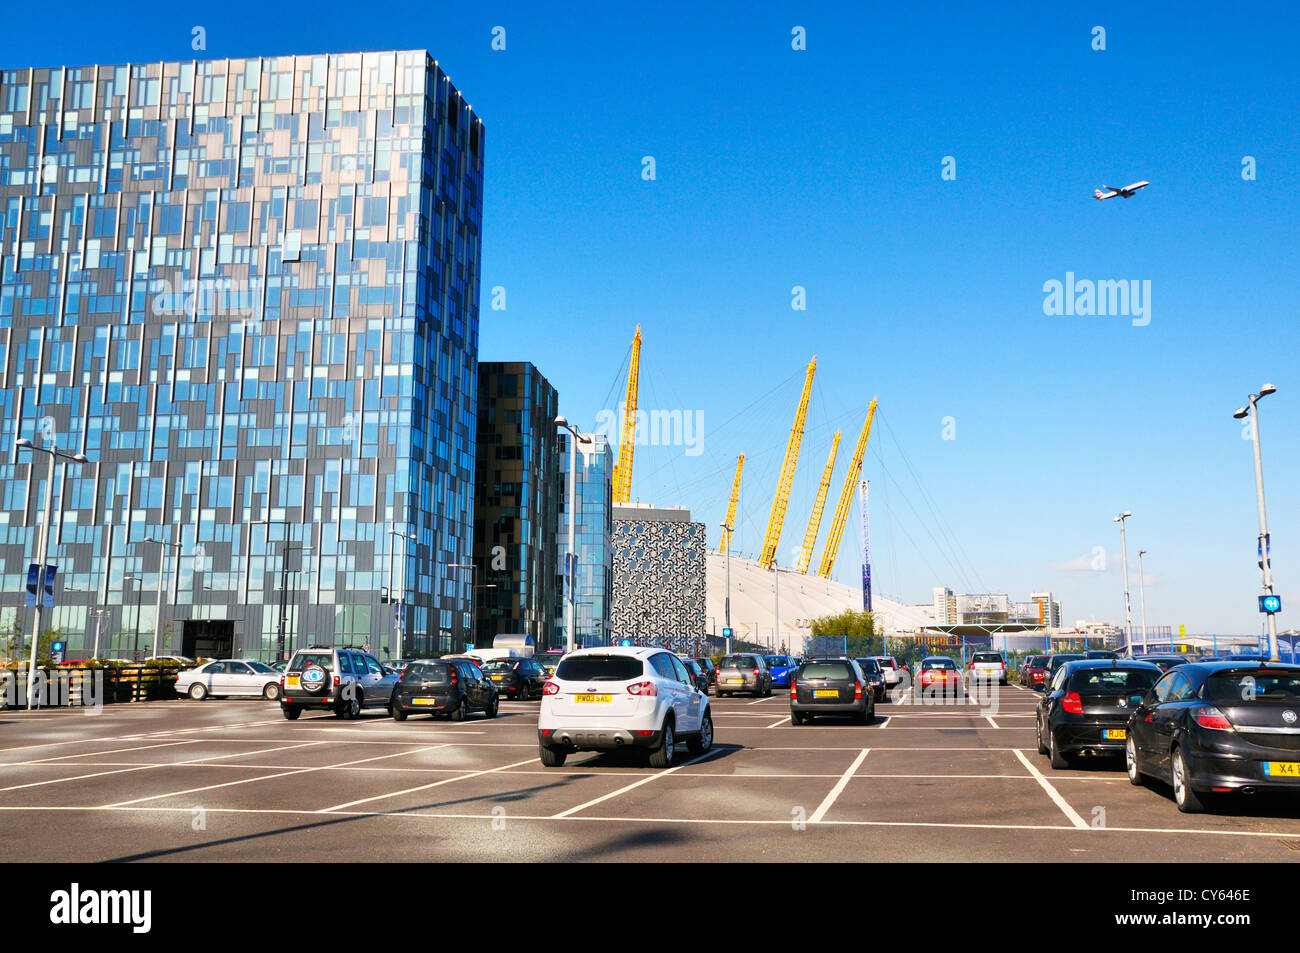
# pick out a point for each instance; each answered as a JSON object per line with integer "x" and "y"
{"x": 198, "y": 692}
{"x": 767, "y": 693}
{"x": 459, "y": 713}
{"x": 662, "y": 756}
{"x": 1059, "y": 760}
{"x": 397, "y": 713}
{"x": 702, "y": 742}
{"x": 721, "y": 694}
{"x": 1131, "y": 763}
{"x": 349, "y": 709}
{"x": 272, "y": 691}
{"x": 291, "y": 712}
{"x": 1188, "y": 801}
{"x": 551, "y": 757}
{"x": 493, "y": 705}
{"x": 1038, "y": 732}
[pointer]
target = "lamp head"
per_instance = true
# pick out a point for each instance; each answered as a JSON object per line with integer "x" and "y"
{"x": 1266, "y": 390}
{"x": 23, "y": 443}
{"x": 1240, "y": 413}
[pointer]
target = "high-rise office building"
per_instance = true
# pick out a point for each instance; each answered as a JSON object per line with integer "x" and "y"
{"x": 247, "y": 291}
{"x": 659, "y": 576}
{"x": 1049, "y": 610}
{"x": 945, "y": 606}
{"x": 593, "y": 525}
{"x": 517, "y": 504}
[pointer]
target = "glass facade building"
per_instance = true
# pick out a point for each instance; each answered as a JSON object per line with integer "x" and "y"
{"x": 593, "y": 524}
{"x": 517, "y": 503}
{"x": 247, "y": 290}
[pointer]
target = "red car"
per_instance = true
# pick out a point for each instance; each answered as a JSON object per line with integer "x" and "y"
{"x": 1033, "y": 671}
{"x": 940, "y": 676}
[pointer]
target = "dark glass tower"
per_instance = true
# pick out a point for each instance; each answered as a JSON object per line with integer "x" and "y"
{"x": 247, "y": 290}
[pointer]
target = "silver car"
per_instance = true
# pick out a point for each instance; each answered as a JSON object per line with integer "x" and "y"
{"x": 229, "y": 678}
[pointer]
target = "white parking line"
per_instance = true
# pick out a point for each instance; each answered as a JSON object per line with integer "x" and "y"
{"x": 424, "y": 787}
{"x": 285, "y": 774}
{"x": 989, "y": 719}
{"x": 636, "y": 784}
{"x": 779, "y": 721}
{"x": 1054, "y": 794}
{"x": 761, "y": 700}
{"x": 840, "y": 785}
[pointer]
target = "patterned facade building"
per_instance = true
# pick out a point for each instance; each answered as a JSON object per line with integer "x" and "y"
{"x": 659, "y": 576}
{"x": 593, "y": 584}
{"x": 247, "y": 290}
{"x": 515, "y": 575}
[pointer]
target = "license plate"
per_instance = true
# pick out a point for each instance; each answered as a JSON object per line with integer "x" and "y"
{"x": 593, "y": 699}
{"x": 497, "y": 678}
{"x": 291, "y": 680}
{"x": 424, "y": 701}
{"x": 1282, "y": 769}
{"x": 826, "y": 693}
{"x": 1114, "y": 734}
{"x": 733, "y": 681}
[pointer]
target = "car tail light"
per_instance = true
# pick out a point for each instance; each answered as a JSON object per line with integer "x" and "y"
{"x": 551, "y": 688}
{"x": 794, "y": 694}
{"x": 1210, "y": 717}
{"x": 857, "y": 690}
{"x": 643, "y": 732}
{"x": 1072, "y": 703}
{"x": 282, "y": 681}
{"x": 337, "y": 681}
{"x": 644, "y": 689}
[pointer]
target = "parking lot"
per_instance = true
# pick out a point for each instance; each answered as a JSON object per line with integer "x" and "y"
{"x": 233, "y": 780}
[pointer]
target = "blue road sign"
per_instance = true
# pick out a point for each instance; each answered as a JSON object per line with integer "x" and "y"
{"x": 726, "y": 633}
{"x": 1270, "y": 604}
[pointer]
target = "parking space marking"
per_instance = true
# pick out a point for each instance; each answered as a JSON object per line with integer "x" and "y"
{"x": 989, "y": 719}
{"x": 64, "y": 757}
{"x": 779, "y": 721}
{"x": 1054, "y": 794}
{"x": 839, "y": 787}
{"x": 760, "y": 701}
{"x": 283, "y": 774}
{"x": 424, "y": 787}
{"x": 636, "y": 784}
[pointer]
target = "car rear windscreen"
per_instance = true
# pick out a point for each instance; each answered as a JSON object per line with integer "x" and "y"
{"x": 599, "y": 668}
{"x": 987, "y": 657}
{"x": 1113, "y": 681}
{"x": 1035, "y": 661}
{"x": 738, "y": 661}
{"x": 1242, "y": 688}
{"x": 938, "y": 663}
{"x": 324, "y": 659}
{"x": 869, "y": 665}
{"x": 826, "y": 670}
{"x": 427, "y": 672}
{"x": 501, "y": 665}
{"x": 775, "y": 660}
{"x": 1056, "y": 661}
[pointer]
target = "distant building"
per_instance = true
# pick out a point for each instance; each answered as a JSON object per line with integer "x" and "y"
{"x": 593, "y": 520}
{"x": 945, "y": 606}
{"x": 516, "y": 504}
{"x": 659, "y": 573}
{"x": 1049, "y": 609}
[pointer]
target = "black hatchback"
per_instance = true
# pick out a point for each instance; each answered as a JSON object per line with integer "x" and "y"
{"x": 1086, "y": 707}
{"x": 1215, "y": 728}
{"x": 831, "y": 687}
{"x": 444, "y": 688}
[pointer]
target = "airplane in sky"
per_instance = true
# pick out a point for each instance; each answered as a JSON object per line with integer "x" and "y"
{"x": 1126, "y": 192}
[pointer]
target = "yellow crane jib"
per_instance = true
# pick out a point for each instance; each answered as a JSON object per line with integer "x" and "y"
{"x": 627, "y": 436}
{"x": 772, "y": 537}
{"x": 846, "y": 496}
{"x": 731, "y": 507}
{"x": 814, "y": 524}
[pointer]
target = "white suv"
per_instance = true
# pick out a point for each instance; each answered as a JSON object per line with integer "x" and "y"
{"x": 606, "y": 698}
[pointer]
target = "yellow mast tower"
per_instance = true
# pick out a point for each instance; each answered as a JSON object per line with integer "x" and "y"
{"x": 814, "y": 524}
{"x": 731, "y": 507}
{"x": 846, "y": 496}
{"x": 773, "y": 536}
{"x": 627, "y": 436}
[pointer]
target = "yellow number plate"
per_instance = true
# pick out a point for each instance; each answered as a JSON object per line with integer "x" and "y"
{"x": 497, "y": 678}
{"x": 1282, "y": 769}
{"x": 733, "y": 681}
{"x": 593, "y": 699}
{"x": 1114, "y": 734}
{"x": 291, "y": 680}
{"x": 826, "y": 693}
{"x": 424, "y": 701}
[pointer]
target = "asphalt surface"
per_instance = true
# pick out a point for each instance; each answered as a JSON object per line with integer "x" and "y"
{"x": 232, "y": 780}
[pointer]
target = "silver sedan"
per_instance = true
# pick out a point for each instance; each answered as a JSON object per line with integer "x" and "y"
{"x": 230, "y": 678}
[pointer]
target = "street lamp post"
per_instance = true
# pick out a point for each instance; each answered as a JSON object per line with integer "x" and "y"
{"x": 726, "y": 610}
{"x": 1265, "y": 563}
{"x": 42, "y": 548}
{"x": 139, "y": 591}
{"x": 572, "y": 554}
{"x": 99, "y": 614}
{"x": 399, "y": 631}
{"x": 284, "y": 583}
{"x": 163, "y": 545}
{"x": 1142, "y": 599}
{"x": 1128, "y": 603}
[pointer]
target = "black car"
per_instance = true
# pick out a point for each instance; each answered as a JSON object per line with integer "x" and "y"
{"x": 444, "y": 688}
{"x": 1100, "y": 653}
{"x": 874, "y": 675}
{"x": 709, "y": 668}
{"x": 831, "y": 687}
{"x": 1086, "y": 707}
{"x": 1211, "y": 728}
{"x": 1053, "y": 663}
{"x": 698, "y": 675}
{"x": 744, "y": 672}
{"x": 1166, "y": 662}
{"x": 518, "y": 678}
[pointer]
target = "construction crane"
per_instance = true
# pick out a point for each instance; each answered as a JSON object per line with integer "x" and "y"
{"x": 774, "y": 523}
{"x": 814, "y": 524}
{"x": 627, "y": 436}
{"x": 731, "y": 508}
{"x": 846, "y": 496}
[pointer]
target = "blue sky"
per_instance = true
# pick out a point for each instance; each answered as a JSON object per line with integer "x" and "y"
{"x": 821, "y": 168}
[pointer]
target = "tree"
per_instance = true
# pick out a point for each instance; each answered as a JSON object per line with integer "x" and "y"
{"x": 856, "y": 627}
